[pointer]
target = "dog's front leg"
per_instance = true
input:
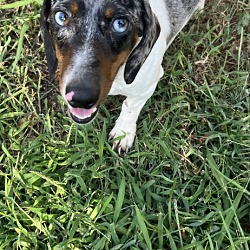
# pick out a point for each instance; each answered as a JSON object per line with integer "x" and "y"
{"x": 125, "y": 127}
{"x": 137, "y": 95}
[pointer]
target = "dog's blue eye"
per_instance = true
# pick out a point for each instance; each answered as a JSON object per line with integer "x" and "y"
{"x": 60, "y": 18}
{"x": 120, "y": 25}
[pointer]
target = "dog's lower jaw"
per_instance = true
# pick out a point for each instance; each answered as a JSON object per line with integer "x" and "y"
{"x": 84, "y": 118}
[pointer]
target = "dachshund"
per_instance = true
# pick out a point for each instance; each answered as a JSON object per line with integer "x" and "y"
{"x": 97, "y": 48}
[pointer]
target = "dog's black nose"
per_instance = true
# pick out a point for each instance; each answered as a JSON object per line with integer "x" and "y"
{"x": 81, "y": 97}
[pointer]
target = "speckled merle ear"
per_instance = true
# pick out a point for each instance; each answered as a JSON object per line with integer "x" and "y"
{"x": 47, "y": 39}
{"x": 149, "y": 33}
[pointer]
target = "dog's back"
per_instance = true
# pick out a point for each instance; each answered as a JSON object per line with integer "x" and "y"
{"x": 180, "y": 12}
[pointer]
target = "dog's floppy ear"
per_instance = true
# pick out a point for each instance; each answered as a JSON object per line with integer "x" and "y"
{"x": 47, "y": 38}
{"x": 149, "y": 33}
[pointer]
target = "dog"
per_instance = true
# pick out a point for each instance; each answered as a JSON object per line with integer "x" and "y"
{"x": 98, "y": 48}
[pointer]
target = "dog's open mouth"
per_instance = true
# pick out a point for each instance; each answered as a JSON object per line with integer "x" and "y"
{"x": 83, "y": 116}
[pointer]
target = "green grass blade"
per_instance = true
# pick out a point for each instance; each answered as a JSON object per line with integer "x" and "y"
{"x": 143, "y": 228}
{"x": 229, "y": 218}
{"x": 221, "y": 178}
{"x": 20, "y": 45}
{"x": 160, "y": 230}
{"x": 19, "y": 4}
{"x": 120, "y": 199}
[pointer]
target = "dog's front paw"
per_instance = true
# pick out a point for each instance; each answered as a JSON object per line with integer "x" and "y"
{"x": 123, "y": 137}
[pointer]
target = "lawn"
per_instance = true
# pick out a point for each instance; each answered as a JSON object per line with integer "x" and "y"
{"x": 184, "y": 185}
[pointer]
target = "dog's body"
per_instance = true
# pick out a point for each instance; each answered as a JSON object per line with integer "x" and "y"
{"x": 113, "y": 47}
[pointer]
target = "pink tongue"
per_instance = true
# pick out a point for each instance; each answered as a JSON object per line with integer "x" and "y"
{"x": 82, "y": 113}
{"x": 79, "y": 112}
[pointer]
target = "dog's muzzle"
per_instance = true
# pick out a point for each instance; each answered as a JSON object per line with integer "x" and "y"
{"x": 82, "y": 103}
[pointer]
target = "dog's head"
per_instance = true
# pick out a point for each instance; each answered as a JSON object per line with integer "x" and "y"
{"x": 87, "y": 41}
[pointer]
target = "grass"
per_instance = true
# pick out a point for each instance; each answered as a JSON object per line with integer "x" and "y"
{"x": 184, "y": 185}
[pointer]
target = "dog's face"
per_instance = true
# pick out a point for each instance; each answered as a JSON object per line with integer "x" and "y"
{"x": 87, "y": 42}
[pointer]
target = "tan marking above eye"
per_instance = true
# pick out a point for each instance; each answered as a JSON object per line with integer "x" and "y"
{"x": 74, "y": 8}
{"x": 109, "y": 12}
